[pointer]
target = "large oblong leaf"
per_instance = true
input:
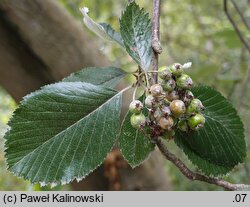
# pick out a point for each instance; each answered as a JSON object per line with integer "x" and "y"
{"x": 219, "y": 146}
{"x": 104, "y": 76}
{"x": 136, "y": 32}
{"x": 62, "y": 132}
{"x": 133, "y": 143}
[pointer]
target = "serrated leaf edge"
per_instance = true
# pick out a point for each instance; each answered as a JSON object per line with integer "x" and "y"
{"x": 130, "y": 164}
{"x": 62, "y": 182}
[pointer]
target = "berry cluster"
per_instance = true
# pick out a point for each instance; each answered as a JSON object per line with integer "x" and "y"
{"x": 170, "y": 105}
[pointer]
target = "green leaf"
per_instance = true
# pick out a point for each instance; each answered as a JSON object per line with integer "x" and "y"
{"x": 113, "y": 34}
{"x": 219, "y": 146}
{"x": 136, "y": 32}
{"x": 103, "y": 30}
{"x": 134, "y": 145}
{"x": 63, "y": 131}
{"x": 93, "y": 26}
{"x": 104, "y": 76}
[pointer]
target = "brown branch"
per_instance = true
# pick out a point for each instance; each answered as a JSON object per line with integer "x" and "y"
{"x": 156, "y": 37}
{"x": 236, "y": 28}
{"x": 193, "y": 175}
{"x": 130, "y": 1}
{"x": 241, "y": 15}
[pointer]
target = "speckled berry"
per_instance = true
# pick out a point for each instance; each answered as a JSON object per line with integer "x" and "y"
{"x": 184, "y": 82}
{"x": 138, "y": 121}
{"x": 135, "y": 107}
{"x": 150, "y": 101}
{"x": 196, "y": 122}
{"x": 170, "y": 96}
{"x": 166, "y": 123}
{"x": 168, "y": 85}
{"x": 195, "y": 106}
{"x": 165, "y": 73}
{"x": 176, "y": 69}
{"x": 177, "y": 108}
{"x": 156, "y": 90}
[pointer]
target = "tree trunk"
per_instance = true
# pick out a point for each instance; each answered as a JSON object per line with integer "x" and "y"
{"x": 41, "y": 43}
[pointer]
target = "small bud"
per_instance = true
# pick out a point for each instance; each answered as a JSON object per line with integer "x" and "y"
{"x": 166, "y": 111}
{"x": 195, "y": 106}
{"x": 166, "y": 123}
{"x": 165, "y": 73}
{"x": 156, "y": 90}
{"x": 169, "y": 85}
{"x": 150, "y": 101}
{"x": 172, "y": 96}
{"x": 184, "y": 82}
{"x": 187, "y": 65}
{"x": 177, "y": 108}
{"x": 135, "y": 107}
{"x": 176, "y": 69}
{"x": 138, "y": 121}
{"x": 183, "y": 125}
{"x": 196, "y": 122}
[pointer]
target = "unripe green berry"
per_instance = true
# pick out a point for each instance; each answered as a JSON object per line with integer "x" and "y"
{"x": 135, "y": 107}
{"x": 184, "y": 82}
{"x": 166, "y": 123}
{"x": 183, "y": 125}
{"x": 195, "y": 106}
{"x": 176, "y": 69}
{"x": 149, "y": 101}
{"x": 168, "y": 85}
{"x": 138, "y": 121}
{"x": 196, "y": 122}
{"x": 156, "y": 90}
{"x": 177, "y": 108}
{"x": 172, "y": 96}
{"x": 165, "y": 73}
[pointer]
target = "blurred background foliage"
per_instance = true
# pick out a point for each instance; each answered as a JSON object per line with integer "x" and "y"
{"x": 191, "y": 30}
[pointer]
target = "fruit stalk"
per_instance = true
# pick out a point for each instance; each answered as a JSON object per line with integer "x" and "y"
{"x": 194, "y": 175}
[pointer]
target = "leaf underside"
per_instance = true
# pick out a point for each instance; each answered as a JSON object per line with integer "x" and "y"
{"x": 115, "y": 36}
{"x": 136, "y": 32}
{"x": 63, "y": 131}
{"x": 104, "y": 76}
{"x": 218, "y": 147}
{"x": 133, "y": 143}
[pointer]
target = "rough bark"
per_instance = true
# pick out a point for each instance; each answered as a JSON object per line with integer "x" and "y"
{"x": 40, "y": 43}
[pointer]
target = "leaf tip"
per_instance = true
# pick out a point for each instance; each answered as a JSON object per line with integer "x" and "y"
{"x": 84, "y": 10}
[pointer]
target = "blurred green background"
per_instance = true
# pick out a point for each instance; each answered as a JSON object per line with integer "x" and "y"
{"x": 191, "y": 30}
